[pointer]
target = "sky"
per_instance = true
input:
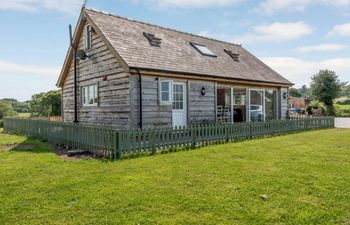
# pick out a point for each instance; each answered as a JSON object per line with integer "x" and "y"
{"x": 296, "y": 38}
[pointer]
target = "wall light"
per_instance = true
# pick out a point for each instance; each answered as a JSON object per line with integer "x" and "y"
{"x": 203, "y": 91}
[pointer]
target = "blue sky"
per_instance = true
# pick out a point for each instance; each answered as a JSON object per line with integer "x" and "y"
{"x": 294, "y": 37}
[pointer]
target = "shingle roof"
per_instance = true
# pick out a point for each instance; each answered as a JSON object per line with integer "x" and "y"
{"x": 175, "y": 53}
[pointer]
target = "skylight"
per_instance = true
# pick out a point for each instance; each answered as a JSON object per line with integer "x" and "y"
{"x": 204, "y": 50}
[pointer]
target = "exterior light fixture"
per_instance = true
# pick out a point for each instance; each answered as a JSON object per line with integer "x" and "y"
{"x": 285, "y": 95}
{"x": 203, "y": 91}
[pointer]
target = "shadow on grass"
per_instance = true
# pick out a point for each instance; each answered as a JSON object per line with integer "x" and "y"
{"x": 30, "y": 145}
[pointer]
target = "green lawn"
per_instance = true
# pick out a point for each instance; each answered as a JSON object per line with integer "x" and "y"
{"x": 306, "y": 177}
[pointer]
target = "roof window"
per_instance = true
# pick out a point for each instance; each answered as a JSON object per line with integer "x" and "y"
{"x": 153, "y": 40}
{"x": 234, "y": 56}
{"x": 204, "y": 50}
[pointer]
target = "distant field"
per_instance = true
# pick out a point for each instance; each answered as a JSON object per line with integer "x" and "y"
{"x": 344, "y": 107}
{"x": 24, "y": 115}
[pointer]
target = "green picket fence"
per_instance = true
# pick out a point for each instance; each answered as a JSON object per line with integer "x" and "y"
{"x": 112, "y": 143}
{"x": 99, "y": 140}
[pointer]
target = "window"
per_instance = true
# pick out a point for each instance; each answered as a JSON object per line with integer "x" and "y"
{"x": 87, "y": 38}
{"x": 178, "y": 96}
{"x": 204, "y": 50}
{"x": 89, "y": 95}
{"x": 165, "y": 91}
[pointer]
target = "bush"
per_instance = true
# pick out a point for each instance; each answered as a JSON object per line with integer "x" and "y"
{"x": 317, "y": 108}
{"x": 1, "y": 123}
{"x": 342, "y": 110}
{"x": 343, "y": 101}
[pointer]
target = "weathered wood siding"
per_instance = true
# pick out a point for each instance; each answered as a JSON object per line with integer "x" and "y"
{"x": 283, "y": 104}
{"x": 201, "y": 108}
{"x": 153, "y": 113}
{"x": 113, "y": 94}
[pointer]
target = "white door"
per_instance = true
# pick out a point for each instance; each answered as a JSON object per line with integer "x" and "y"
{"x": 179, "y": 105}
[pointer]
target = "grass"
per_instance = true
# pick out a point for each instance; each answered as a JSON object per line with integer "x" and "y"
{"x": 305, "y": 176}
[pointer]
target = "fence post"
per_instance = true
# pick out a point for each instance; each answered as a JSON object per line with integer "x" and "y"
{"x": 119, "y": 145}
{"x": 251, "y": 130}
{"x": 194, "y": 134}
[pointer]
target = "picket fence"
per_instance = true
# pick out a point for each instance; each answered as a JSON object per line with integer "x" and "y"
{"x": 109, "y": 142}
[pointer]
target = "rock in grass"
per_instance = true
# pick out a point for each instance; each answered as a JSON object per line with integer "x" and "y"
{"x": 264, "y": 197}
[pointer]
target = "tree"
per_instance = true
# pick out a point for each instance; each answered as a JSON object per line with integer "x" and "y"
{"x": 46, "y": 104}
{"x": 293, "y": 92}
{"x": 326, "y": 86}
{"x": 6, "y": 109}
{"x": 345, "y": 91}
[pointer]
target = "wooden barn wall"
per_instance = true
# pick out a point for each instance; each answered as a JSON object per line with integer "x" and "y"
{"x": 154, "y": 114}
{"x": 113, "y": 94}
{"x": 201, "y": 108}
{"x": 283, "y": 104}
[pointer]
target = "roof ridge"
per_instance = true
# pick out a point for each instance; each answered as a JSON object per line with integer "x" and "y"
{"x": 161, "y": 27}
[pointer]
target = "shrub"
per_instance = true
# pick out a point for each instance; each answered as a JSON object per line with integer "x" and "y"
{"x": 343, "y": 101}
{"x": 317, "y": 108}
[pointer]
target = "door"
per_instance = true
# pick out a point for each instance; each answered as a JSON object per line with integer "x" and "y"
{"x": 179, "y": 105}
{"x": 256, "y": 105}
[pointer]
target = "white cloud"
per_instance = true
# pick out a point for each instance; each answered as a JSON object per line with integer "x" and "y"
{"x": 300, "y": 71}
{"x": 277, "y": 32}
{"x": 66, "y": 6}
{"x": 340, "y": 30}
{"x": 188, "y": 3}
{"x": 272, "y": 6}
{"x": 322, "y": 48}
{"x": 12, "y": 68}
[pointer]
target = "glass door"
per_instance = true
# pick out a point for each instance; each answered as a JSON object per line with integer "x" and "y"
{"x": 256, "y": 105}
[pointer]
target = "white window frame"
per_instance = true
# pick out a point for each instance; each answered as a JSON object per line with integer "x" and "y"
{"x": 170, "y": 101}
{"x": 88, "y": 38}
{"x": 199, "y": 47}
{"x": 86, "y": 96}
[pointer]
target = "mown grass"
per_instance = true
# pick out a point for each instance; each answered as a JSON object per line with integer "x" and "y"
{"x": 305, "y": 176}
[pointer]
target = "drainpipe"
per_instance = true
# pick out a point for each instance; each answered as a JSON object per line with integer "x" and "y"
{"x": 75, "y": 75}
{"x": 75, "y": 89}
{"x": 140, "y": 97}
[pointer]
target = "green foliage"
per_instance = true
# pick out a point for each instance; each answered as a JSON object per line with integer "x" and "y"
{"x": 46, "y": 104}
{"x": 326, "y": 87}
{"x": 293, "y": 92}
{"x": 6, "y": 109}
{"x": 345, "y": 92}
{"x": 305, "y": 177}
{"x": 342, "y": 110}
{"x": 343, "y": 101}
{"x": 300, "y": 92}
{"x": 20, "y": 107}
{"x": 314, "y": 105}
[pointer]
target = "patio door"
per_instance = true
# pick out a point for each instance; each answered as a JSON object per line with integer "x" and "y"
{"x": 179, "y": 104}
{"x": 256, "y": 105}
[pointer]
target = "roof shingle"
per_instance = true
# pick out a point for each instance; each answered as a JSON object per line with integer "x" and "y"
{"x": 175, "y": 53}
